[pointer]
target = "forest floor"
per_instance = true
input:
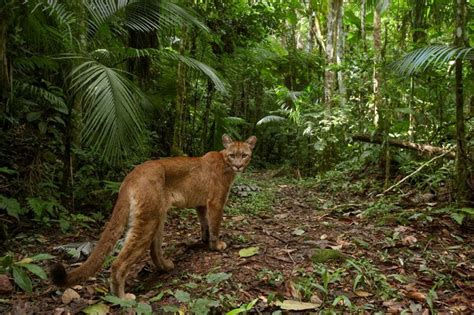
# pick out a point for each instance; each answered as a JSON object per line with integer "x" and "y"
{"x": 329, "y": 244}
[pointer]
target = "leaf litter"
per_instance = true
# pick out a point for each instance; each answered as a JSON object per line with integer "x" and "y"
{"x": 408, "y": 266}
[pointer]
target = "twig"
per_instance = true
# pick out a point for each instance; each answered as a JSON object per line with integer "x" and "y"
{"x": 416, "y": 171}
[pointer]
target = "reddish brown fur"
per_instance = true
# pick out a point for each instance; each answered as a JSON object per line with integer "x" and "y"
{"x": 146, "y": 195}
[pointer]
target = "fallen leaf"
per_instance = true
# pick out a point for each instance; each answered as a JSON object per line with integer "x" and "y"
{"x": 280, "y": 216}
{"x": 323, "y": 237}
{"x": 69, "y": 295}
{"x": 5, "y": 285}
{"x": 129, "y": 296}
{"x": 97, "y": 309}
{"x": 409, "y": 240}
{"x": 393, "y": 306}
{"x": 315, "y": 299}
{"x": 292, "y": 305}
{"x": 238, "y": 218}
{"x": 416, "y": 295}
{"x": 336, "y": 247}
{"x": 293, "y": 291}
{"x": 298, "y": 232}
{"x": 248, "y": 252}
{"x": 61, "y": 311}
{"x": 360, "y": 293}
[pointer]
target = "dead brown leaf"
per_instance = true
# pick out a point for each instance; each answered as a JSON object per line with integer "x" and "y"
{"x": 393, "y": 306}
{"x": 5, "y": 285}
{"x": 69, "y": 295}
{"x": 416, "y": 295}
{"x": 360, "y": 293}
{"x": 409, "y": 240}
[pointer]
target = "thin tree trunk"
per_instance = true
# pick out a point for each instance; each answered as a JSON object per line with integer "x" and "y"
{"x": 177, "y": 146}
{"x": 331, "y": 42}
{"x": 462, "y": 172}
{"x": 377, "y": 78}
{"x": 340, "y": 56}
{"x": 363, "y": 7}
{"x": 207, "y": 112}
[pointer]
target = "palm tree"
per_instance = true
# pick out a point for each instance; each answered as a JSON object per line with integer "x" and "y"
{"x": 88, "y": 42}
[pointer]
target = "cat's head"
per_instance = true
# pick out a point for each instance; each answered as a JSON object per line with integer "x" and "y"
{"x": 237, "y": 154}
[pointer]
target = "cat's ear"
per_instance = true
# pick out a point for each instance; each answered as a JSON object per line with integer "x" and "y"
{"x": 251, "y": 142}
{"x": 226, "y": 141}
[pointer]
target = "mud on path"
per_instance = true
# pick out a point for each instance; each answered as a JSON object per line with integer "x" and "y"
{"x": 311, "y": 244}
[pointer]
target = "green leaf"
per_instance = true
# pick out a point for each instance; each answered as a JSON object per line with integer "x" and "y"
{"x": 42, "y": 257}
{"x": 22, "y": 279}
{"x": 118, "y": 301}
{"x": 32, "y": 116}
{"x": 35, "y": 269}
{"x": 170, "y": 309}
{"x": 157, "y": 297}
{"x": 214, "y": 278}
{"x": 182, "y": 296}
{"x": 143, "y": 308}
{"x": 203, "y": 306}
{"x": 248, "y": 252}
{"x": 458, "y": 217}
{"x": 6, "y": 261}
{"x": 12, "y": 206}
{"x": 243, "y": 308}
{"x": 6, "y": 170}
{"x": 96, "y": 309}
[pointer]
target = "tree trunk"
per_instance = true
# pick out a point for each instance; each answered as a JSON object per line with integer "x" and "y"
{"x": 340, "y": 56}
{"x": 462, "y": 171}
{"x": 377, "y": 77}
{"x": 177, "y": 146}
{"x": 5, "y": 74}
{"x": 363, "y": 7}
{"x": 331, "y": 42}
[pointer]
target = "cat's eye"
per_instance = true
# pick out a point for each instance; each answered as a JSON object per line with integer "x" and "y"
{"x": 232, "y": 156}
{"x": 244, "y": 155}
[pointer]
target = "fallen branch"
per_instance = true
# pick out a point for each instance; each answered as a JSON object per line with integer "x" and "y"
{"x": 423, "y": 148}
{"x": 416, "y": 171}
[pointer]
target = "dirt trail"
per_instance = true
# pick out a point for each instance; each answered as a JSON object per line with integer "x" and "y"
{"x": 313, "y": 246}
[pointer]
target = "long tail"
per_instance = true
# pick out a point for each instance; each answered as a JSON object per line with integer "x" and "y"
{"x": 112, "y": 232}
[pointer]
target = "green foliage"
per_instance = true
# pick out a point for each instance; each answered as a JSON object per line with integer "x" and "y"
{"x": 22, "y": 268}
{"x": 12, "y": 207}
{"x": 129, "y": 305}
{"x": 371, "y": 278}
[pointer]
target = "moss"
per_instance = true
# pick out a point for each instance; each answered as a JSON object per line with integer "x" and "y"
{"x": 326, "y": 255}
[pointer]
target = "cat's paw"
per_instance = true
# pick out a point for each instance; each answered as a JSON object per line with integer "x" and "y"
{"x": 167, "y": 265}
{"x": 218, "y": 245}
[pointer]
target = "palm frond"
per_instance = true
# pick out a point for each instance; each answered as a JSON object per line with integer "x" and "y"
{"x": 142, "y": 16}
{"x": 195, "y": 64}
{"x": 270, "y": 118}
{"x": 420, "y": 59}
{"x": 113, "y": 115}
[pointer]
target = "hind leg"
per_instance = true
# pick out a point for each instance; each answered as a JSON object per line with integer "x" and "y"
{"x": 202, "y": 214}
{"x": 137, "y": 241}
{"x": 156, "y": 250}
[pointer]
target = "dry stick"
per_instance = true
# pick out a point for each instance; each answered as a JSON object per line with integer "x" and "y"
{"x": 416, "y": 171}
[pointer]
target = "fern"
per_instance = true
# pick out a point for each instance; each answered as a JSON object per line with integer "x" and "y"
{"x": 12, "y": 206}
{"x": 49, "y": 97}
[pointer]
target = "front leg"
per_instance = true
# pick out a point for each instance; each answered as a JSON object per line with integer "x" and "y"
{"x": 215, "y": 210}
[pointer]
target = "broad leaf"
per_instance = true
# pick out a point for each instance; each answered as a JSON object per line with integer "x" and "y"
{"x": 248, "y": 252}
{"x": 22, "y": 279}
{"x": 35, "y": 269}
{"x": 214, "y": 278}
